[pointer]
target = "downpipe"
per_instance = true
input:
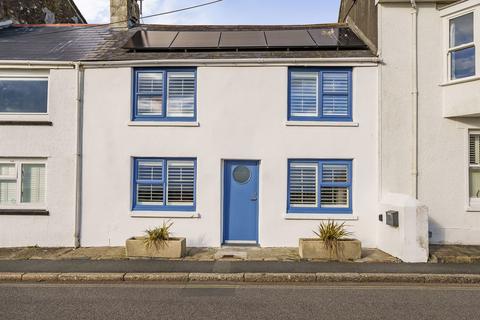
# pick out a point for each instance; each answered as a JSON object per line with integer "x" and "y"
{"x": 414, "y": 53}
{"x": 78, "y": 158}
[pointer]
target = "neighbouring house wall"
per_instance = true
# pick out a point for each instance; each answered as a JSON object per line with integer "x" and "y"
{"x": 242, "y": 113}
{"x": 56, "y": 143}
{"x": 396, "y": 128}
{"x": 363, "y": 14}
{"x": 442, "y": 144}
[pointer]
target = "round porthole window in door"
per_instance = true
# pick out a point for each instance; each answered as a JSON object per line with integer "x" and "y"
{"x": 241, "y": 174}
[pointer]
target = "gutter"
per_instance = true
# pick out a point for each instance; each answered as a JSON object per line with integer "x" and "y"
{"x": 414, "y": 93}
{"x": 235, "y": 62}
{"x": 78, "y": 154}
{"x": 32, "y": 64}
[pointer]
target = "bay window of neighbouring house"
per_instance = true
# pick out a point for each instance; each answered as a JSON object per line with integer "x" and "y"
{"x": 461, "y": 49}
{"x": 320, "y": 94}
{"x": 164, "y": 94}
{"x": 474, "y": 169}
{"x": 23, "y": 95}
{"x": 22, "y": 184}
{"x": 320, "y": 186}
{"x": 164, "y": 184}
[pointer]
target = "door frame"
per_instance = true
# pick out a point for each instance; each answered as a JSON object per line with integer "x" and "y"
{"x": 222, "y": 204}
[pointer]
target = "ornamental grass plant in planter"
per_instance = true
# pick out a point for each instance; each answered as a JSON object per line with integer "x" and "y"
{"x": 332, "y": 243}
{"x": 157, "y": 243}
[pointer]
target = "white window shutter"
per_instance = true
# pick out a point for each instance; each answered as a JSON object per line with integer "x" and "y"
{"x": 474, "y": 149}
{"x": 304, "y": 94}
{"x": 334, "y": 196}
{"x": 181, "y": 94}
{"x": 8, "y": 171}
{"x": 33, "y": 183}
{"x": 149, "y": 183}
{"x": 180, "y": 182}
{"x": 335, "y": 89}
{"x": 8, "y": 192}
{"x": 335, "y": 173}
{"x": 303, "y": 184}
{"x": 150, "y": 83}
{"x": 150, "y": 93}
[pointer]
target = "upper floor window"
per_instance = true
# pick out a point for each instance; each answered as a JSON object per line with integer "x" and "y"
{"x": 474, "y": 168}
{"x": 164, "y": 94}
{"x": 24, "y": 95}
{"x": 462, "y": 46}
{"x": 164, "y": 184}
{"x": 320, "y": 94}
{"x": 22, "y": 183}
{"x": 320, "y": 186}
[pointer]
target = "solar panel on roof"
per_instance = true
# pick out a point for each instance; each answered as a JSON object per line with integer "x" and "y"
{"x": 348, "y": 38}
{"x": 196, "y": 39}
{"x": 157, "y": 39}
{"x": 242, "y": 39}
{"x": 326, "y": 38}
{"x": 341, "y": 37}
{"x": 289, "y": 38}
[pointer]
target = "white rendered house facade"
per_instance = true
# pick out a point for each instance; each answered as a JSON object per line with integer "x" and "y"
{"x": 139, "y": 171}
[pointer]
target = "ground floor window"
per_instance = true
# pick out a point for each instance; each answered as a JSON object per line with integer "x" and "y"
{"x": 319, "y": 186}
{"x": 22, "y": 183}
{"x": 474, "y": 168}
{"x": 164, "y": 184}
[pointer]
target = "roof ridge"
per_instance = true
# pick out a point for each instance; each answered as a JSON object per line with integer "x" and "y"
{"x": 23, "y": 25}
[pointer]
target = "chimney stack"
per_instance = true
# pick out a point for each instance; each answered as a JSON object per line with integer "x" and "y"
{"x": 124, "y": 13}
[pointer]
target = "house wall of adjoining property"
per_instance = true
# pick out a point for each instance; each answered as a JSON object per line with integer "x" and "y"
{"x": 442, "y": 144}
{"x": 56, "y": 144}
{"x": 242, "y": 113}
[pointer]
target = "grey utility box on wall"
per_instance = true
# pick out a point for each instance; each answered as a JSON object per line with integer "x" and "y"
{"x": 392, "y": 218}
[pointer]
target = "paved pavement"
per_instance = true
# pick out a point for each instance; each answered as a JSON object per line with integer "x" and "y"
{"x": 193, "y": 254}
{"x": 454, "y": 254}
{"x": 132, "y": 266}
{"x": 153, "y": 301}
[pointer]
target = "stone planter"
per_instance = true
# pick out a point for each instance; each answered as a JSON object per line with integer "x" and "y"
{"x": 174, "y": 248}
{"x": 315, "y": 249}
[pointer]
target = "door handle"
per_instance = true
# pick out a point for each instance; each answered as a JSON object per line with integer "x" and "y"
{"x": 254, "y": 197}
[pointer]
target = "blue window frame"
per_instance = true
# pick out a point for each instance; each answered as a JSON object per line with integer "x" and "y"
{"x": 164, "y": 184}
{"x": 320, "y": 94}
{"x": 167, "y": 94}
{"x": 319, "y": 186}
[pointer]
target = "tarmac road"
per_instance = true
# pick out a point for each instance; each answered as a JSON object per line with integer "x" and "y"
{"x": 218, "y": 301}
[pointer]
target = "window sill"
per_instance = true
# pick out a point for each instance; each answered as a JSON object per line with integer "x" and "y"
{"x": 165, "y": 214}
{"x": 24, "y": 212}
{"x": 319, "y": 216}
{"x": 25, "y": 123}
{"x": 163, "y": 124}
{"x": 321, "y": 124}
{"x": 472, "y": 209}
{"x": 458, "y": 81}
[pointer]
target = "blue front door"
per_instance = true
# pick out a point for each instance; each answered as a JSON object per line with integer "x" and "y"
{"x": 240, "y": 211}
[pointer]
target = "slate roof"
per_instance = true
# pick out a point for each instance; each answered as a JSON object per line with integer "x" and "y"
{"x": 101, "y": 43}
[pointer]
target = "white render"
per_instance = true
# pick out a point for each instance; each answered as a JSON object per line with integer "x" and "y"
{"x": 446, "y": 113}
{"x": 408, "y": 241}
{"x": 56, "y": 145}
{"x": 242, "y": 114}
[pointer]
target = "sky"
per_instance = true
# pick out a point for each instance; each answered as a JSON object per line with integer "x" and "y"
{"x": 225, "y": 12}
